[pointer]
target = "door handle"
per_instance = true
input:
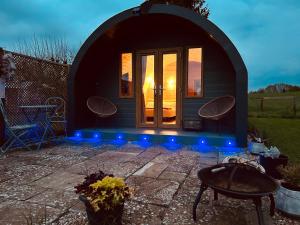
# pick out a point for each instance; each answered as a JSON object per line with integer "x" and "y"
{"x": 155, "y": 90}
{"x": 160, "y": 90}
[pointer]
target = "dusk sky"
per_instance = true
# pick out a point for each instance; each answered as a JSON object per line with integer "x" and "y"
{"x": 266, "y": 32}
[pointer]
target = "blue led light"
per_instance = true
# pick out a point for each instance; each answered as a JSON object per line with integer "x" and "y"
{"x": 119, "y": 136}
{"x": 96, "y": 135}
{"x": 145, "y": 138}
{"x": 78, "y": 134}
{"x": 230, "y": 143}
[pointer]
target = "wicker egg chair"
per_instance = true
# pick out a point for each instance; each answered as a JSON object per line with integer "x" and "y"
{"x": 217, "y": 108}
{"x": 101, "y": 106}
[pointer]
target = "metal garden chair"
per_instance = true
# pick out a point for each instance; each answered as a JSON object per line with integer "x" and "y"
{"x": 16, "y": 134}
{"x": 55, "y": 116}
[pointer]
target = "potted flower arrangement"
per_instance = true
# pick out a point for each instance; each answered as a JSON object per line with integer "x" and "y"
{"x": 288, "y": 195}
{"x": 104, "y": 196}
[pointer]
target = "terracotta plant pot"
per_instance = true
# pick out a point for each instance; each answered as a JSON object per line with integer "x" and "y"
{"x": 103, "y": 217}
{"x": 288, "y": 200}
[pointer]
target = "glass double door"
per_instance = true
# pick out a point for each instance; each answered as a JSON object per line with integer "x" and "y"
{"x": 158, "y": 88}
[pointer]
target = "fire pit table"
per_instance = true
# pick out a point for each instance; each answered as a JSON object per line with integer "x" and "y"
{"x": 238, "y": 181}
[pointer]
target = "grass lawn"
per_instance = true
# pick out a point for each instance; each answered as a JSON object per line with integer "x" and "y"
{"x": 284, "y": 133}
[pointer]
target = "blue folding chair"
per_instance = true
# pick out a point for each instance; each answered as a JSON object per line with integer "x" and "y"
{"x": 16, "y": 134}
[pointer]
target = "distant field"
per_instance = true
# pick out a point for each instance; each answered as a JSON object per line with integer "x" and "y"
{"x": 278, "y": 122}
{"x": 282, "y": 108}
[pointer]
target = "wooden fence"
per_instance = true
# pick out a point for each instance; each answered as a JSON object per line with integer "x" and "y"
{"x": 34, "y": 82}
{"x": 286, "y": 106}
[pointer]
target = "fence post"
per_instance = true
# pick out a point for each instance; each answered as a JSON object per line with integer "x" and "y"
{"x": 2, "y": 126}
{"x": 262, "y": 104}
{"x": 294, "y": 106}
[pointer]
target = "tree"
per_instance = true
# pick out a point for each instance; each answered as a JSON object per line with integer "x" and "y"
{"x": 45, "y": 47}
{"x": 198, "y": 6}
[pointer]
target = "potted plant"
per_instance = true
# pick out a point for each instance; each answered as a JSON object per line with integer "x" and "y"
{"x": 288, "y": 195}
{"x": 104, "y": 196}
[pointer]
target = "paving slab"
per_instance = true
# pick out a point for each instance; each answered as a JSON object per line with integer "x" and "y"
{"x": 72, "y": 218}
{"x": 151, "y": 169}
{"x": 131, "y": 148}
{"x": 19, "y": 192}
{"x": 59, "y": 199}
{"x": 181, "y": 162}
{"x": 25, "y": 174}
{"x": 173, "y": 176}
{"x": 138, "y": 213}
{"x": 148, "y": 155}
{"x": 86, "y": 167}
{"x": 153, "y": 191}
{"x": 60, "y": 180}
{"x": 19, "y": 212}
{"x": 114, "y": 157}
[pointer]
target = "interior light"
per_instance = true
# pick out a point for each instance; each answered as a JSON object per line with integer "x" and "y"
{"x": 171, "y": 84}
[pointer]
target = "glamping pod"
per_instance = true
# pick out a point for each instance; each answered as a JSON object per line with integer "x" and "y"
{"x": 159, "y": 66}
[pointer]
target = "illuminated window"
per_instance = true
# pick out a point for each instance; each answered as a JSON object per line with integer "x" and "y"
{"x": 126, "y": 79}
{"x": 194, "y": 76}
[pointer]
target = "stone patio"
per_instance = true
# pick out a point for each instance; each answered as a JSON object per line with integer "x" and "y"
{"x": 38, "y": 187}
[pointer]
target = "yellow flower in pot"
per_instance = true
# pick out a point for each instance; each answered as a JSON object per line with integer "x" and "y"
{"x": 104, "y": 197}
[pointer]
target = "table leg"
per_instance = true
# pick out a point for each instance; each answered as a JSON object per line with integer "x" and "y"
{"x": 257, "y": 202}
{"x": 203, "y": 188}
{"x": 27, "y": 117}
{"x": 44, "y": 135}
{"x": 215, "y": 195}
{"x": 272, "y": 206}
{"x": 36, "y": 115}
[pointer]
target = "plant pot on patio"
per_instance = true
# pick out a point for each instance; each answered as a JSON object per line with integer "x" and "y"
{"x": 288, "y": 195}
{"x": 271, "y": 164}
{"x": 104, "y": 197}
{"x": 103, "y": 217}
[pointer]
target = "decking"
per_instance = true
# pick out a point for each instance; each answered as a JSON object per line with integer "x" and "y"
{"x": 157, "y": 136}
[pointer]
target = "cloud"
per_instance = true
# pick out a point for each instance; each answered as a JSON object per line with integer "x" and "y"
{"x": 71, "y": 19}
{"x": 266, "y": 32}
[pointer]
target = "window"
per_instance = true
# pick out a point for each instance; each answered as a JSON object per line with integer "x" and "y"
{"x": 194, "y": 73}
{"x": 126, "y": 78}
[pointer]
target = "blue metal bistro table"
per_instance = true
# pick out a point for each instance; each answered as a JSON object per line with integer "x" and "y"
{"x": 34, "y": 114}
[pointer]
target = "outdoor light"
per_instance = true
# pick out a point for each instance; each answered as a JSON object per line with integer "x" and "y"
{"x": 96, "y": 135}
{"x": 78, "y": 134}
{"x": 145, "y": 138}
{"x": 230, "y": 143}
{"x": 119, "y": 136}
{"x": 172, "y": 139}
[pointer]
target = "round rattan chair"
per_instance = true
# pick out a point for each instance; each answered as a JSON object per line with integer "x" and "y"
{"x": 217, "y": 108}
{"x": 101, "y": 106}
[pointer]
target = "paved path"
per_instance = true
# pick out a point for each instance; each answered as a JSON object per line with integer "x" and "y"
{"x": 38, "y": 187}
